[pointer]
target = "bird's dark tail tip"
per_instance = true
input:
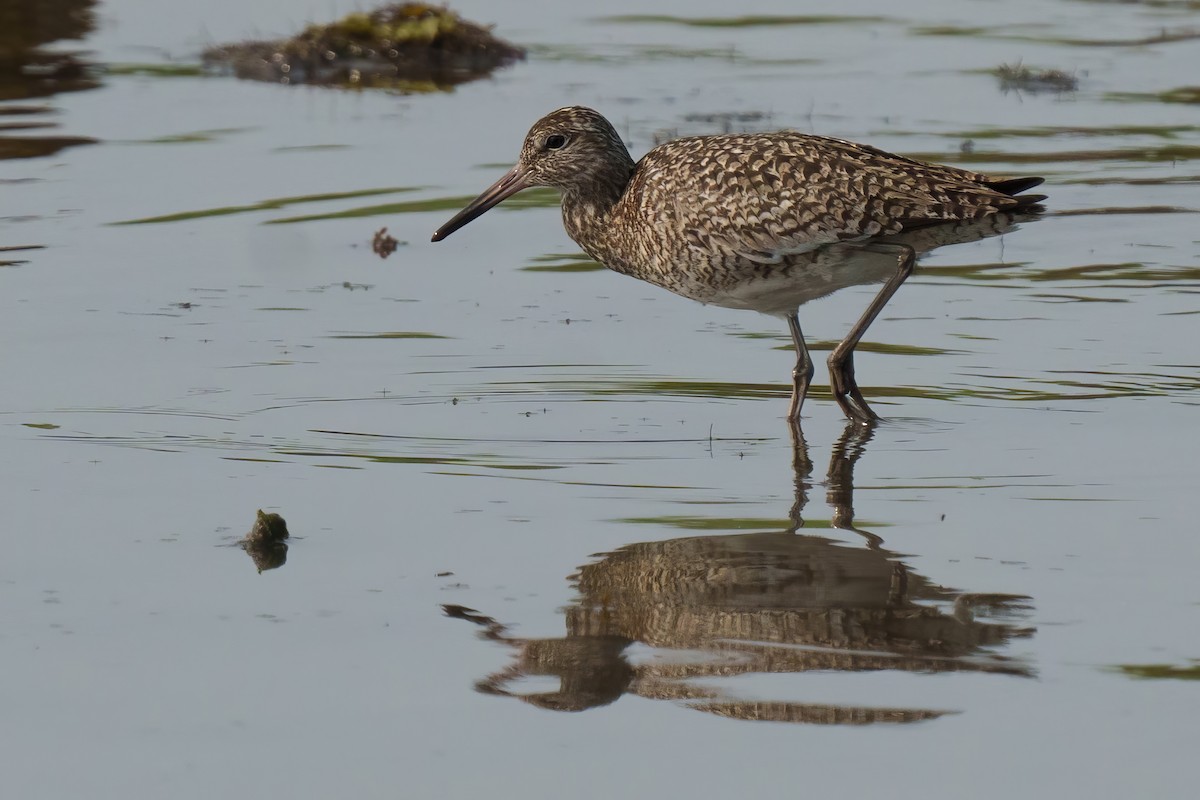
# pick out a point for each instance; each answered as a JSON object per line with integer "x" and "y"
{"x": 1011, "y": 186}
{"x": 1029, "y": 202}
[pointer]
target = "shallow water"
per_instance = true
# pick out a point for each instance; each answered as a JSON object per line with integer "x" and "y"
{"x": 987, "y": 595}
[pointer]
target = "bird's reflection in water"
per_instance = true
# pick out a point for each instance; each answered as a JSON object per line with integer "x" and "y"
{"x": 759, "y": 603}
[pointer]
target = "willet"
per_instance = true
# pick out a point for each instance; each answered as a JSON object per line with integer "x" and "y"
{"x": 733, "y": 215}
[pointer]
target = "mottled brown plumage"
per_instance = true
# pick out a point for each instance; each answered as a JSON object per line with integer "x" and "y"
{"x": 720, "y": 218}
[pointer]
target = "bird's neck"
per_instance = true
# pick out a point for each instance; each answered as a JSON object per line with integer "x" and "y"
{"x": 588, "y": 205}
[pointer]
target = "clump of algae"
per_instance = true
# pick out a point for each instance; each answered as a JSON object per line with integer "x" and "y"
{"x": 404, "y": 46}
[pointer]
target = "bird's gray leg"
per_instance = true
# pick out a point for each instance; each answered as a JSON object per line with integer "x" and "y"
{"x": 841, "y": 360}
{"x": 803, "y": 371}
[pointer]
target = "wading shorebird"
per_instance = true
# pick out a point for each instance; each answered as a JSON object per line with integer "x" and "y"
{"x": 756, "y": 220}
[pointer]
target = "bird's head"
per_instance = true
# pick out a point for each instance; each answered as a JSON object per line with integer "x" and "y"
{"x": 570, "y": 149}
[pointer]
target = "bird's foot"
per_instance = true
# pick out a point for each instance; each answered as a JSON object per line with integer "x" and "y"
{"x": 846, "y": 392}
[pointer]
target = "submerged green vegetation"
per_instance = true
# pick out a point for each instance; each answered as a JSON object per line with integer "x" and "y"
{"x": 1018, "y": 34}
{"x": 1182, "y": 94}
{"x": 1157, "y": 154}
{"x": 1191, "y": 672}
{"x": 564, "y": 262}
{"x": 747, "y": 21}
{"x": 390, "y": 335}
{"x": 264, "y": 205}
{"x": 686, "y": 523}
{"x": 1171, "y": 131}
{"x": 182, "y": 70}
{"x": 530, "y": 198}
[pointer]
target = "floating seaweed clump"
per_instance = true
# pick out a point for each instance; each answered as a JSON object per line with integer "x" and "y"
{"x": 1020, "y": 78}
{"x": 411, "y": 47}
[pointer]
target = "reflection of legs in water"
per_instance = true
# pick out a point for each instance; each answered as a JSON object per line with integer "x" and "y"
{"x": 839, "y": 482}
{"x": 839, "y": 492}
{"x": 841, "y": 360}
{"x": 801, "y": 475}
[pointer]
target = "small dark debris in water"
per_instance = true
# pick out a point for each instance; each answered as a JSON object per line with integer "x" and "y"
{"x": 266, "y": 543}
{"x": 1020, "y": 78}
{"x": 443, "y": 574}
{"x": 384, "y": 244}
{"x": 353, "y": 286}
{"x": 967, "y": 146}
{"x": 268, "y": 529}
{"x": 407, "y": 47}
{"x": 186, "y": 306}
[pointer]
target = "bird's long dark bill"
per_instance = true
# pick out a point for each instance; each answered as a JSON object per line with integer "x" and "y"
{"x": 512, "y": 182}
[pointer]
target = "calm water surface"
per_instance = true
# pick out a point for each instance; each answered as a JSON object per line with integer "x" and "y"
{"x": 519, "y": 486}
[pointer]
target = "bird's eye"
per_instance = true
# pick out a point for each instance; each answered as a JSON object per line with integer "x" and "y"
{"x": 555, "y": 141}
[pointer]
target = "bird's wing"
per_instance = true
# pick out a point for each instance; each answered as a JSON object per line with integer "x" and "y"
{"x": 766, "y": 196}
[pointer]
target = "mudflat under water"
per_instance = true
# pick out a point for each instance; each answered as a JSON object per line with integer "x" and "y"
{"x": 519, "y": 485}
